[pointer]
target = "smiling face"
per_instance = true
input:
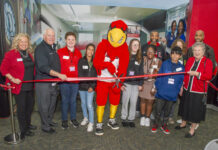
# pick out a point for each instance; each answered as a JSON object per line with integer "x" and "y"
{"x": 70, "y": 41}
{"x": 173, "y": 27}
{"x": 90, "y": 51}
{"x": 23, "y": 43}
{"x": 116, "y": 37}
{"x": 198, "y": 52}
{"x": 135, "y": 47}
{"x": 150, "y": 53}
{"x": 180, "y": 27}
{"x": 154, "y": 37}
{"x": 199, "y": 36}
{"x": 49, "y": 36}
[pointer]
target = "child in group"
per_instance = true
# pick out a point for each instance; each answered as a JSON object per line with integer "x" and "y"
{"x": 168, "y": 88}
{"x": 87, "y": 88}
{"x": 132, "y": 87}
{"x": 151, "y": 65}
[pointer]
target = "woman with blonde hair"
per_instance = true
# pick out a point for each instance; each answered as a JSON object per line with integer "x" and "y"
{"x": 18, "y": 66}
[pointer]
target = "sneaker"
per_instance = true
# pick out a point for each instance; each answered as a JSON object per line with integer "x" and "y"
{"x": 64, "y": 125}
{"x": 154, "y": 128}
{"x": 75, "y": 123}
{"x": 147, "y": 122}
{"x": 90, "y": 127}
{"x": 84, "y": 122}
{"x": 171, "y": 121}
{"x": 99, "y": 130}
{"x": 113, "y": 124}
{"x": 165, "y": 129}
{"x": 131, "y": 124}
{"x": 179, "y": 121}
{"x": 142, "y": 121}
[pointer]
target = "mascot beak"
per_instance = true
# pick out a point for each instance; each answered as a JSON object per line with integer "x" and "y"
{"x": 116, "y": 37}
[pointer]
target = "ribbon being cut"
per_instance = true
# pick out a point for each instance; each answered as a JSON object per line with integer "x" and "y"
{"x": 103, "y": 78}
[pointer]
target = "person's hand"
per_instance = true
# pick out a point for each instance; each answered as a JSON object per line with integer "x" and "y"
{"x": 90, "y": 90}
{"x": 111, "y": 68}
{"x": 153, "y": 91}
{"x": 62, "y": 77}
{"x": 16, "y": 80}
{"x": 123, "y": 88}
{"x": 140, "y": 88}
{"x": 193, "y": 73}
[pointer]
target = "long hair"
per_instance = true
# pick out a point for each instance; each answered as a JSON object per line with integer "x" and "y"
{"x": 87, "y": 46}
{"x": 183, "y": 30}
{"x": 184, "y": 49}
{"x": 17, "y": 39}
{"x": 139, "y": 52}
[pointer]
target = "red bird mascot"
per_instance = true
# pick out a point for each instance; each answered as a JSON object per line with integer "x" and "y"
{"x": 111, "y": 60}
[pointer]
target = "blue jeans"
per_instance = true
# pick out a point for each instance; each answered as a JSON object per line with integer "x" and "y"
{"x": 68, "y": 94}
{"x": 87, "y": 103}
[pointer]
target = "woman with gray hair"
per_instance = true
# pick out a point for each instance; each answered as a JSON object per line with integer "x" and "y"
{"x": 199, "y": 70}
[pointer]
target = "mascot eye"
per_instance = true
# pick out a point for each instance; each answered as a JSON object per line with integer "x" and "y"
{"x": 120, "y": 40}
{"x": 112, "y": 39}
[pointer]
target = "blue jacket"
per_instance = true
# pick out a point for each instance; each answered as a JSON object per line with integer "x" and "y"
{"x": 168, "y": 87}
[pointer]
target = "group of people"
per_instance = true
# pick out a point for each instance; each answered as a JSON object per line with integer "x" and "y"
{"x": 21, "y": 64}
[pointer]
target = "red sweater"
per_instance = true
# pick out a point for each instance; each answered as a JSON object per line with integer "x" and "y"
{"x": 197, "y": 86}
{"x": 13, "y": 64}
{"x": 69, "y": 61}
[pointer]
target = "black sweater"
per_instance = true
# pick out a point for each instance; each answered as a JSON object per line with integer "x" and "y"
{"x": 134, "y": 69}
{"x": 84, "y": 70}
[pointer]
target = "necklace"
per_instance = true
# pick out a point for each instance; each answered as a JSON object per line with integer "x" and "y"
{"x": 23, "y": 55}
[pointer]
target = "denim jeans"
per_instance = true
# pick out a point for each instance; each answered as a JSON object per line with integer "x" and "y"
{"x": 87, "y": 103}
{"x": 68, "y": 94}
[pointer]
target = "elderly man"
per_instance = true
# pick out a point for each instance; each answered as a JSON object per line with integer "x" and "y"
{"x": 47, "y": 65}
{"x": 209, "y": 52}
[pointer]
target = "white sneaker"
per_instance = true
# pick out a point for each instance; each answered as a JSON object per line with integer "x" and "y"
{"x": 90, "y": 127}
{"x": 84, "y": 122}
{"x": 147, "y": 122}
{"x": 142, "y": 121}
{"x": 179, "y": 121}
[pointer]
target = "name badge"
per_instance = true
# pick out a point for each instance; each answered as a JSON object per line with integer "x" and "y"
{"x": 19, "y": 59}
{"x": 85, "y": 67}
{"x": 72, "y": 68}
{"x": 66, "y": 57}
{"x": 154, "y": 66}
{"x": 131, "y": 73}
{"x": 53, "y": 84}
{"x": 179, "y": 69}
{"x": 170, "y": 81}
{"x": 136, "y": 63}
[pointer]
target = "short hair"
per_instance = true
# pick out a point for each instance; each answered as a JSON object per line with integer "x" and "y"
{"x": 90, "y": 44}
{"x": 153, "y": 47}
{"x": 46, "y": 30}
{"x": 199, "y": 44}
{"x": 176, "y": 50}
{"x": 70, "y": 34}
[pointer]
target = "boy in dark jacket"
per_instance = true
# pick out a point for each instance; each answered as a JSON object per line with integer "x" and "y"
{"x": 168, "y": 88}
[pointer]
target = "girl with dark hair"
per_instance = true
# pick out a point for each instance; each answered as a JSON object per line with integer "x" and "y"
{"x": 181, "y": 30}
{"x": 151, "y": 65}
{"x": 87, "y": 88}
{"x": 132, "y": 87}
{"x": 171, "y": 36}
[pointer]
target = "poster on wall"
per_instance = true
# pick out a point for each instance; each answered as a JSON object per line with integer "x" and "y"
{"x": 176, "y": 24}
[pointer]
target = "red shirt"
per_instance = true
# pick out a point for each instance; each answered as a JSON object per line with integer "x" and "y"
{"x": 69, "y": 61}
{"x": 197, "y": 85}
{"x": 13, "y": 64}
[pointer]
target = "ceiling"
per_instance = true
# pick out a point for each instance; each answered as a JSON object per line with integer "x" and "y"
{"x": 156, "y": 4}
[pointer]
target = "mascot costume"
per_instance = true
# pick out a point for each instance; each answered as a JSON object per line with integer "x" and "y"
{"x": 111, "y": 60}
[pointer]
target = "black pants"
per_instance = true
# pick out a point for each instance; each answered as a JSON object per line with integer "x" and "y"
{"x": 25, "y": 103}
{"x": 162, "y": 106}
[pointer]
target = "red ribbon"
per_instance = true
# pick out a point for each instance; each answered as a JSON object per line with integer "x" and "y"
{"x": 104, "y": 78}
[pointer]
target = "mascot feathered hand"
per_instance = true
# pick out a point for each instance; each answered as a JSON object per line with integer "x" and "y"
{"x": 111, "y": 59}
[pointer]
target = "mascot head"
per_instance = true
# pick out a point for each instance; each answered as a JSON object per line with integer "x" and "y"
{"x": 117, "y": 33}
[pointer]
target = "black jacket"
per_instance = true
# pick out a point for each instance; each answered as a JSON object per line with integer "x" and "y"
{"x": 84, "y": 70}
{"x": 46, "y": 58}
{"x": 134, "y": 69}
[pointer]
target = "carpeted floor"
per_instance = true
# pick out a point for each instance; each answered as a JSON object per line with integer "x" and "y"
{"x": 139, "y": 138}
